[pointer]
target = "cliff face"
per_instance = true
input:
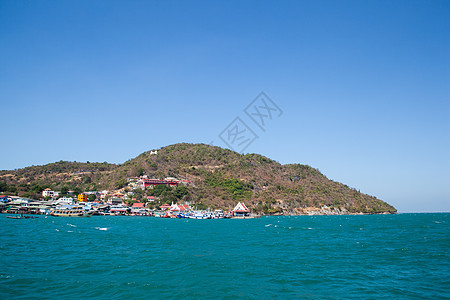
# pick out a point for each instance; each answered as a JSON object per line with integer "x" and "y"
{"x": 219, "y": 178}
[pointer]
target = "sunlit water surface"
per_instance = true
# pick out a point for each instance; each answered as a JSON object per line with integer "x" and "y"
{"x": 317, "y": 257}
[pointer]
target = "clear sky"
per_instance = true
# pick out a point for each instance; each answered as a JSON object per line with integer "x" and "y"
{"x": 363, "y": 86}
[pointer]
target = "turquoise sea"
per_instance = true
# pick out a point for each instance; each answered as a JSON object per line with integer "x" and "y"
{"x": 403, "y": 256}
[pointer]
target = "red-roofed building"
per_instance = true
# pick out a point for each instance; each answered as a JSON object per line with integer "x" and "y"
{"x": 179, "y": 207}
{"x": 241, "y": 210}
{"x": 145, "y": 182}
{"x": 117, "y": 195}
{"x": 165, "y": 206}
{"x": 139, "y": 209}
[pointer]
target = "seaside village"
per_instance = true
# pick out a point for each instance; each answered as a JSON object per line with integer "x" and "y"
{"x": 113, "y": 204}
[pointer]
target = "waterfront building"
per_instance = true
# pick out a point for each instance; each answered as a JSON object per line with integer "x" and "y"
{"x": 119, "y": 209}
{"x": 176, "y": 208}
{"x": 241, "y": 210}
{"x": 139, "y": 208}
{"x": 165, "y": 206}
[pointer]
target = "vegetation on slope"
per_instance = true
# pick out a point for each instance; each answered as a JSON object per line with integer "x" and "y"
{"x": 219, "y": 178}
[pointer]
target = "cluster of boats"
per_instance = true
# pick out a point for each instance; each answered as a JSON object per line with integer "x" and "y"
{"x": 217, "y": 214}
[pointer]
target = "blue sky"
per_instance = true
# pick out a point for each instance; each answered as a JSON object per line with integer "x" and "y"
{"x": 364, "y": 86}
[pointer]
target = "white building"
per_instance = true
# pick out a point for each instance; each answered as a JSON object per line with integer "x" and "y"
{"x": 64, "y": 201}
{"x": 48, "y": 192}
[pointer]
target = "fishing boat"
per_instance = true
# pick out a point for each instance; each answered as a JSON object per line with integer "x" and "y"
{"x": 183, "y": 216}
{"x": 15, "y": 217}
{"x": 198, "y": 215}
{"x": 21, "y": 217}
{"x": 76, "y": 211}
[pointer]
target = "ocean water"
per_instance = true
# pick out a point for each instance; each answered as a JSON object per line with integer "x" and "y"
{"x": 403, "y": 256}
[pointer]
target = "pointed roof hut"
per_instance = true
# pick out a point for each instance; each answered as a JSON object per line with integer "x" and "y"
{"x": 241, "y": 210}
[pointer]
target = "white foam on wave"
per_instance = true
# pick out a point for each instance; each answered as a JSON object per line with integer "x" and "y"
{"x": 268, "y": 225}
{"x": 101, "y": 228}
{"x": 71, "y": 225}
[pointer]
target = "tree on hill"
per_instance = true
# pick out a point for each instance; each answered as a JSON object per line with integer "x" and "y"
{"x": 3, "y": 186}
{"x": 64, "y": 190}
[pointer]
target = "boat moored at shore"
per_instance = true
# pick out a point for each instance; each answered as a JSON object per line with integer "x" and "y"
{"x": 76, "y": 211}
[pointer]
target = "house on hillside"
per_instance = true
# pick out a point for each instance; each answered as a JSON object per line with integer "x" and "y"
{"x": 172, "y": 181}
{"x": 115, "y": 201}
{"x": 117, "y": 195}
{"x": 145, "y": 182}
{"x": 133, "y": 179}
{"x": 47, "y": 193}
{"x": 103, "y": 194}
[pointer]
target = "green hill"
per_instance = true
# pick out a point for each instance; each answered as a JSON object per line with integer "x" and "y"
{"x": 219, "y": 179}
